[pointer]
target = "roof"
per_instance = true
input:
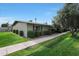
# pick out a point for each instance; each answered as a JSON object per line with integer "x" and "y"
{"x": 30, "y": 23}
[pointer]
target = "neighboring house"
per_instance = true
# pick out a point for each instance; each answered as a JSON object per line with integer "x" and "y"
{"x": 6, "y": 28}
{"x": 22, "y": 28}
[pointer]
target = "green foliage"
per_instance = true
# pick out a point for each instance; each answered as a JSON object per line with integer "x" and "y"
{"x": 31, "y": 34}
{"x": 47, "y": 33}
{"x": 37, "y": 34}
{"x": 68, "y": 18}
{"x": 69, "y": 15}
{"x": 5, "y": 25}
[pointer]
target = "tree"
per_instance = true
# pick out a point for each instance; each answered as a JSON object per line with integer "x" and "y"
{"x": 5, "y": 25}
{"x": 69, "y": 17}
{"x": 30, "y": 21}
{"x": 57, "y": 24}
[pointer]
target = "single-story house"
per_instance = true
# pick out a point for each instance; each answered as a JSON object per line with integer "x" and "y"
{"x": 6, "y": 29}
{"x": 22, "y": 28}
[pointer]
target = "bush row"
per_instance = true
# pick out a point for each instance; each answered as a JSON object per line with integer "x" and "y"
{"x": 33, "y": 34}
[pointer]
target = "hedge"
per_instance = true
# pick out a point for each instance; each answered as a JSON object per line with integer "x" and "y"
{"x": 33, "y": 34}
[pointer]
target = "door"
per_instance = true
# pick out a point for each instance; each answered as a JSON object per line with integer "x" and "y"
{"x": 21, "y": 33}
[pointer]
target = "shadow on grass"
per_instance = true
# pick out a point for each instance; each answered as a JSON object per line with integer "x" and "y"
{"x": 64, "y": 45}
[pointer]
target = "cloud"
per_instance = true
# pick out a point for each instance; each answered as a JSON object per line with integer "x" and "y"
{"x": 7, "y": 19}
{"x": 10, "y": 20}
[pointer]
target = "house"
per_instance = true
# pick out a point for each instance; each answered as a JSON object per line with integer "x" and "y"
{"x": 22, "y": 28}
{"x": 5, "y": 28}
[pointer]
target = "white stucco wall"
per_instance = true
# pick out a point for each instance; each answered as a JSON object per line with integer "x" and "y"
{"x": 21, "y": 27}
{"x": 45, "y": 28}
{"x": 29, "y": 27}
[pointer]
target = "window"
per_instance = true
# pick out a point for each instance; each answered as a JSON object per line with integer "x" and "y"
{"x": 13, "y": 31}
{"x": 16, "y": 31}
{"x": 21, "y": 33}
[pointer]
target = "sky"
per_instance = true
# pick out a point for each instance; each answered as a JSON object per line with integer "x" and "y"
{"x": 44, "y": 12}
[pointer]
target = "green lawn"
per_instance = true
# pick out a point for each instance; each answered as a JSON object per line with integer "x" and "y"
{"x": 9, "y": 38}
{"x": 61, "y": 46}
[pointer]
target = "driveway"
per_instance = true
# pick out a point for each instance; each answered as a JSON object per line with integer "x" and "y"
{"x": 12, "y": 48}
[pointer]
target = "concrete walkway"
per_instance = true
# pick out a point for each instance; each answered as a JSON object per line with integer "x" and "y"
{"x": 12, "y": 48}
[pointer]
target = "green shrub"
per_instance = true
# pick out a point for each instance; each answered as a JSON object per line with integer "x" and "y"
{"x": 37, "y": 34}
{"x": 33, "y": 34}
{"x": 47, "y": 33}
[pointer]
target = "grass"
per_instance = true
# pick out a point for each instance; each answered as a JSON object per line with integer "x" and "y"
{"x": 63, "y": 45}
{"x": 9, "y": 38}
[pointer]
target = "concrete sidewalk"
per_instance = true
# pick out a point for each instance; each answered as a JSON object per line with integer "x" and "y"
{"x": 12, "y": 48}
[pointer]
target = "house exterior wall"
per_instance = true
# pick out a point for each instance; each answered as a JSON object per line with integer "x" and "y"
{"x": 5, "y": 29}
{"x": 25, "y": 27}
{"x": 29, "y": 27}
{"x": 45, "y": 28}
{"x": 21, "y": 27}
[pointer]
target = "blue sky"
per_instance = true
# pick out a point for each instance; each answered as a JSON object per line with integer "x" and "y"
{"x": 9, "y": 12}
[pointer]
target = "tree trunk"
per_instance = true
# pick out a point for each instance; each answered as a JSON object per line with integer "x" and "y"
{"x": 74, "y": 32}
